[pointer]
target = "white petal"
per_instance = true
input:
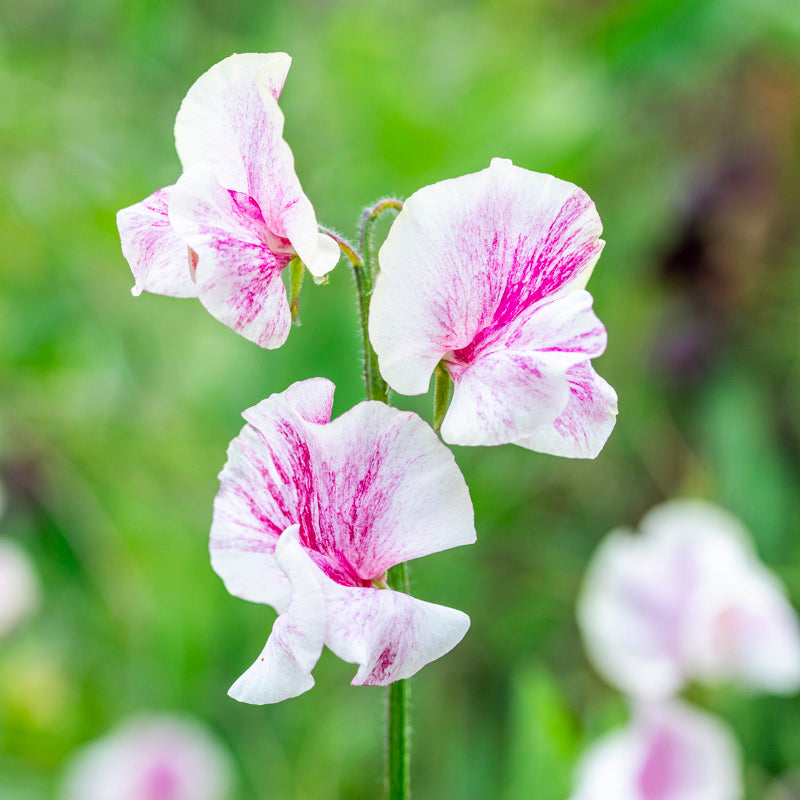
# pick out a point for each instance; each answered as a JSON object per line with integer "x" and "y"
{"x": 504, "y": 396}
{"x": 630, "y": 613}
{"x": 158, "y": 257}
{"x": 475, "y": 252}
{"x": 221, "y": 120}
{"x": 19, "y": 586}
{"x": 283, "y": 669}
{"x": 389, "y": 634}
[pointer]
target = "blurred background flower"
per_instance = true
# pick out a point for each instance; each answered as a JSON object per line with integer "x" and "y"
{"x": 150, "y": 758}
{"x": 19, "y": 586}
{"x": 680, "y": 118}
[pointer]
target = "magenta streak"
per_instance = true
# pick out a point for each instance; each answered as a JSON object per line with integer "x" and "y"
{"x": 662, "y": 767}
{"x": 556, "y": 260}
{"x": 383, "y": 664}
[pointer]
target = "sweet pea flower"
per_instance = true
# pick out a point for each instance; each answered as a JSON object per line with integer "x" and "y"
{"x": 669, "y": 752}
{"x": 485, "y": 274}
{"x": 150, "y": 758}
{"x": 19, "y": 586}
{"x": 310, "y": 516}
{"x": 238, "y": 215}
{"x": 687, "y": 599}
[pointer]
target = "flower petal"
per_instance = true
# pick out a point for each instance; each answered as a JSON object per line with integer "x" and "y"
{"x": 687, "y": 599}
{"x": 513, "y": 380}
{"x": 230, "y": 120}
{"x": 222, "y": 121}
{"x": 630, "y": 613}
{"x": 158, "y": 258}
{"x": 371, "y": 489}
{"x": 389, "y": 490}
{"x": 238, "y": 273}
{"x": 504, "y": 396}
{"x": 389, "y": 634}
{"x": 283, "y": 669}
{"x": 583, "y": 427}
{"x": 20, "y": 592}
{"x": 260, "y": 491}
{"x": 669, "y": 752}
{"x": 475, "y": 252}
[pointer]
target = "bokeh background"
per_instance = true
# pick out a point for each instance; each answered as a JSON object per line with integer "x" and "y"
{"x": 681, "y": 118}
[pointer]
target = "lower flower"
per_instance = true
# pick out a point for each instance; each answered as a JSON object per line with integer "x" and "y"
{"x": 310, "y": 516}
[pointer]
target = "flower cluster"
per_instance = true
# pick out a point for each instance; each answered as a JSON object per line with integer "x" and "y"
{"x": 685, "y": 600}
{"x": 482, "y": 278}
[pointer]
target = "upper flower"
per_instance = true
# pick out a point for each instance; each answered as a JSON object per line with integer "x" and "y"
{"x": 310, "y": 516}
{"x": 668, "y": 752}
{"x": 238, "y": 214}
{"x": 486, "y": 273}
{"x": 150, "y": 758}
{"x": 687, "y": 599}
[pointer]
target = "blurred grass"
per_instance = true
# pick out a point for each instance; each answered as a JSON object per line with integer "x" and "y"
{"x": 681, "y": 119}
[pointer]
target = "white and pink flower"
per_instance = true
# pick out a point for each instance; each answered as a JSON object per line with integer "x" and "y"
{"x": 486, "y": 273}
{"x": 668, "y": 752}
{"x": 238, "y": 215}
{"x": 687, "y": 599}
{"x": 310, "y": 516}
{"x": 150, "y": 758}
{"x": 19, "y": 586}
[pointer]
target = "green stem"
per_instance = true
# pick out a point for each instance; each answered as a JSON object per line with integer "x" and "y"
{"x": 375, "y": 385}
{"x": 398, "y": 760}
{"x": 368, "y": 220}
{"x": 398, "y": 730}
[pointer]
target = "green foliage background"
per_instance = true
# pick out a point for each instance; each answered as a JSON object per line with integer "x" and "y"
{"x": 681, "y": 118}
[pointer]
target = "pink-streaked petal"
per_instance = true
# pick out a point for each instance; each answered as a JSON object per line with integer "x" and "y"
{"x": 390, "y": 635}
{"x": 283, "y": 669}
{"x": 388, "y": 489}
{"x": 504, "y": 396}
{"x": 565, "y": 325}
{"x": 371, "y": 489}
{"x": 472, "y": 253}
{"x": 515, "y": 380}
{"x": 158, "y": 258}
{"x": 669, "y": 751}
{"x": 261, "y": 488}
{"x": 222, "y": 121}
{"x": 238, "y": 273}
{"x": 583, "y": 427}
{"x": 273, "y": 183}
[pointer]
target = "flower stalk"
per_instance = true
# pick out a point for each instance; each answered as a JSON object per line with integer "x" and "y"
{"x": 398, "y": 730}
